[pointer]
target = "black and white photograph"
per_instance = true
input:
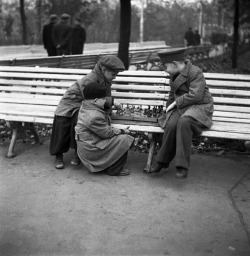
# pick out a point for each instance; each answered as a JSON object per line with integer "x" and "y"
{"x": 124, "y": 127}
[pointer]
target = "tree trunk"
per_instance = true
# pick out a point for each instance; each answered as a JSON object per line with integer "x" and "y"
{"x": 236, "y": 34}
{"x": 125, "y": 30}
{"x": 39, "y": 21}
{"x": 23, "y": 21}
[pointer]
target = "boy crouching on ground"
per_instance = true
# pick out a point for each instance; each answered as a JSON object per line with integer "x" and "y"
{"x": 99, "y": 146}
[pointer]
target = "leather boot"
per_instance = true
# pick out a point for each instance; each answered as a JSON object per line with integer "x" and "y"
{"x": 59, "y": 161}
{"x": 76, "y": 160}
{"x": 181, "y": 173}
{"x": 157, "y": 166}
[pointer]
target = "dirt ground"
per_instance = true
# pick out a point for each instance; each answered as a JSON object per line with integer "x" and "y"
{"x": 45, "y": 211}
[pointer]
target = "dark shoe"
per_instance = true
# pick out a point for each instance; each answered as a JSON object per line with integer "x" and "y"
{"x": 157, "y": 166}
{"x": 76, "y": 160}
{"x": 59, "y": 162}
{"x": 181, "y": 173}
{"x": 124, "y": 172}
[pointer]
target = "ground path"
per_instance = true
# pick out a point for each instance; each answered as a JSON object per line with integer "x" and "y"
{"x": 45, "y": 211}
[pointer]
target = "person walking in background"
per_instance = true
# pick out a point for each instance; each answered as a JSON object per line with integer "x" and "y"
{"x": 47, "y": 35}
{"x": 189, "y": 37}
{"x": 197, "y": 38}
{"x": 61, "y": 35}
{"x": 78, "y": 37}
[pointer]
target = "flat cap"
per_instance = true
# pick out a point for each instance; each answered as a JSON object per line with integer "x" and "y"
{"x": 94, "y": 91}
{"x": 53, "y": 17}
{"x": 112, "y": 62}
{"x": 65, "y": 16}
{"x": 172, "y": 54}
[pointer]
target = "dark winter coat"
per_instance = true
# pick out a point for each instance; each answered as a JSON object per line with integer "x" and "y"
{"x": 47, "y": 39}
{"x": 191, "y": 94}
{"x": 78, "y": 39}
{"x": 98, "y": 144}
{"x": 61, "y": 35}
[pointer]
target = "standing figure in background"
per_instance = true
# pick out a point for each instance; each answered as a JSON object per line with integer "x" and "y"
{"x": 189, "y": 37}
{"x": 61, "y": 35}
{"x": 47, "y": 35}
{"x": 78, "y": 37}
{"x": 197, "y": 38}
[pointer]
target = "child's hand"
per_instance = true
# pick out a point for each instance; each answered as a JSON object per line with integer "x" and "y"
{"x": 127, "y": 130}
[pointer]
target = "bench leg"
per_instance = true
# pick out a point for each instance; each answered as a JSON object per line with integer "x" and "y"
{"x": 150, "y": 153}
{"x": 11, "y": 152}
{"x": 34, "y": 132}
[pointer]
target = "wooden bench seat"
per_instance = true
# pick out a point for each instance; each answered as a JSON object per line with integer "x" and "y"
{"x": 30, "y": 95}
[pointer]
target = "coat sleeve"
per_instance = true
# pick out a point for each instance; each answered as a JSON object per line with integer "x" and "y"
{"x": 196, "y": 90}
{"x": 100, "y": 127}
{"x": 170, "y": 98}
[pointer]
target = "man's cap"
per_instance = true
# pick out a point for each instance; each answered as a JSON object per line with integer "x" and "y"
{"x": 53, "y": 17}
{"x": 112, "y": 62}
{"x": 94, "y": 91}
{"x": 172, "y": 54}
{"x": 65, "y": 16}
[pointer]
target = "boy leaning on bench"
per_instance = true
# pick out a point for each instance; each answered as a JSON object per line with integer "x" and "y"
{"x": 66, "y": 114}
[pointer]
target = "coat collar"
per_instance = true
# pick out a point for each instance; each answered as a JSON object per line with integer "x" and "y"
{"x": 91, "y": 106}
{"x": 182, "y": 77}
{"x": 102, "y": 79}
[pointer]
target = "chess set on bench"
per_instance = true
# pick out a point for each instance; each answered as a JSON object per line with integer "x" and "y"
{"x": 132, "y": 113}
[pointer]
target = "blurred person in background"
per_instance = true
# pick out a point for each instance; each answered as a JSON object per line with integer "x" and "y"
{"x": 78, "y": 37}
{"x": 47, "y": 35}
{"x": 61, "y": 35}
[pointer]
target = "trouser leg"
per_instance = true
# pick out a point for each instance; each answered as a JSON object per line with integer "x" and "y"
{"x": 187, "y": 127}
{"x": 72, "y": 130}
{"x": 168, "y": 148}
{"x": 60, "y": 137}
{"x": 117, "y": 167}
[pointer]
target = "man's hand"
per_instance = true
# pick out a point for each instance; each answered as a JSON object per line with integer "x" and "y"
{"x": 171, "y": 106}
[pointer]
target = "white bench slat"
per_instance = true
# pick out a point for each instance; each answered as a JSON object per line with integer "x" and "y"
{"x": 221, "y": 76}
{"x": 228, "y": 83}
{"x": 232, "y": 108}
{"x": 232, "y": 115}
{"x": 73, "y": 78}
{"x": 80, "y": 71}
{"x": 231, "y": 120}
{"x": 35, "y": 83}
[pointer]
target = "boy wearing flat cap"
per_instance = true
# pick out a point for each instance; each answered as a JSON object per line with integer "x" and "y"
{"x": 99, "y": 146}
{"x": 66, "y": 114}
{"x": 188, "y": 111}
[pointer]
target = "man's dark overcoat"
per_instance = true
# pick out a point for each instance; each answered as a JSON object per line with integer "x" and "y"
{"x": 78, "y": 39}
{"x": 61, "y": 35}
{"x": 47, "y": 39}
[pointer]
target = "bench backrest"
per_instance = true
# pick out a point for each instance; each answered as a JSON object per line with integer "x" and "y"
{"x": 42, "y": 88}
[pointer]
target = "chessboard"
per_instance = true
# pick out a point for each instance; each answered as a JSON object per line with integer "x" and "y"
{"x": 131, "y": 115}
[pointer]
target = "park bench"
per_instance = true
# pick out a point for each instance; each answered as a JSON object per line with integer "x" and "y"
{"x": 30, "y": 95}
